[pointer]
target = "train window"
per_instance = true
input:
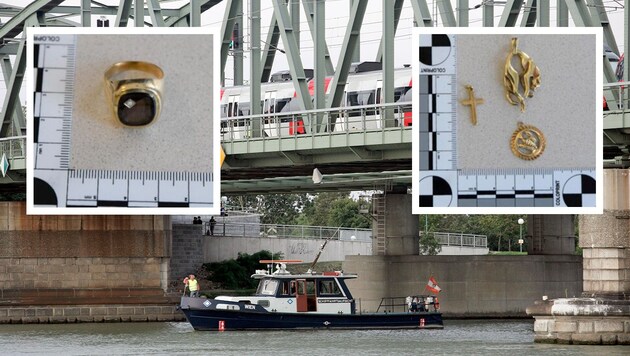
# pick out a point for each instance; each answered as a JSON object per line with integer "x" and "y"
{"x": 243, "y": 109}
{"x": 400, "y": 92}
{"x": 360, "y": 98}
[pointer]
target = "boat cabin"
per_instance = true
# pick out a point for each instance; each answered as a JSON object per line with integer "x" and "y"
{"x": 302, "y": 293}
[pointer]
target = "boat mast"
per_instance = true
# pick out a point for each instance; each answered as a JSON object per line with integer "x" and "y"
{"x": 321, "y": 249}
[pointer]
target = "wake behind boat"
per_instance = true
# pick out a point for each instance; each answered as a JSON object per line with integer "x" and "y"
{"x": 304, "y": 301}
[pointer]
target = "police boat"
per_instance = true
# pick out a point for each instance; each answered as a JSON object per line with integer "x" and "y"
{"x": 284, "y": 301}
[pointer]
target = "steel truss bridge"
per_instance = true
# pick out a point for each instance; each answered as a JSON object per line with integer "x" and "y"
{"x": 371, "y": 158}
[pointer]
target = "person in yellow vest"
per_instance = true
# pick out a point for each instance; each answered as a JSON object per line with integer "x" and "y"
{"x": 193, "y": 285}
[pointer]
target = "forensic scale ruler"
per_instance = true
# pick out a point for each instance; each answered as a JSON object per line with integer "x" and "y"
{"x": 442, "y": 184}
{"x": 56, "y": 184}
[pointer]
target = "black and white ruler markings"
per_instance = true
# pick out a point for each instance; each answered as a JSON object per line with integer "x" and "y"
{"x": 55, "y": 184}
{"x": 442, "y": 184}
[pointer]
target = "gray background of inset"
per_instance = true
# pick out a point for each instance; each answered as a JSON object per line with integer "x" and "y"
{"x": 181, "y": 138}
{"x": 563, "y": 107}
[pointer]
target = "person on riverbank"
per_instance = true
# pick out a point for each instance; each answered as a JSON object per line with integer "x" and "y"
{"x": 212, "y": 224}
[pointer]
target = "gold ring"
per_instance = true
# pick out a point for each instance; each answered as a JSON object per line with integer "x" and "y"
{"x": 135, "y": 89}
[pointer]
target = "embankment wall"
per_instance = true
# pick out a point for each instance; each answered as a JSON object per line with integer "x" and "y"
{"x": 217, "y": 249}
{"x": 472, "y": 286}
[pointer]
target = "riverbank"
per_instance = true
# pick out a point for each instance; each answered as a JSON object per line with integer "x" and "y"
{"x": 110, "y": 313}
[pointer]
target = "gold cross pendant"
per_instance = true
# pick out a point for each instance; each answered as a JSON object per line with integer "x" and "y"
{"x": 472, "y": 102}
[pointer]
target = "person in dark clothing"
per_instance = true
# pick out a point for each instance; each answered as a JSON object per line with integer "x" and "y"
{"x": 212, "y": 224}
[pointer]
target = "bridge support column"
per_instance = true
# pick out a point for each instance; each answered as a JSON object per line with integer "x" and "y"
{"x": 551, "y": 235}
{"x": 602, "y": 315}
{"x": 395, "y": 229}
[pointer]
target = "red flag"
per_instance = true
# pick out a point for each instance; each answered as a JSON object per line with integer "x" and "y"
{"x": 433, "y": 286}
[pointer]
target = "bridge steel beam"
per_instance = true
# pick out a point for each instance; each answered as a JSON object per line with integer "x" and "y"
{"x": 310, "y": 19}
{"x": 397, "y": 10}
{"x": 195, "y": 13}
{"x": 18, "y": 114}
{"x": 11, "y": 100}
{"x": 293, "y": 57}
{"x": 122, "y": 16}
{"x": 86, "y": 13}
{"x": 421, "y": 13}
{"x": 356, "y": 52}
{"x": 321, "y": 49}
{"x": 510, "y": 13}
{"x": 579, "y": 13}
{"x": 254, "y": 65}
{"x": 15, "y": 25}
{"x": 231, "y": 11}
{"x": 542, "y": 13}
{"x": 155, "y": 12}
{"x": 350, "y": 41}
{"x": 138, "y": 19}
{"x": 271, "y": 46}
{"x": 462, "y": 13}
{"x": 446, "y": 13}
{"x": 562, "y": 13}
{"x": 529, "y": 14}
{"x": 488, "y": 13}
{"x": 237, "y": 46}
{"x": 387, "y": 43}
{"x": 294, "y": 11}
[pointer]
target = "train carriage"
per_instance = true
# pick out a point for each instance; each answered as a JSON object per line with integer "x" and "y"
{"x": 279, "y": 105}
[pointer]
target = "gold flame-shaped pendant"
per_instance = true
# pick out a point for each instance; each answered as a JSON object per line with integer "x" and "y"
{"x": 528, "y": 79}
{"x": 527, "y": 142}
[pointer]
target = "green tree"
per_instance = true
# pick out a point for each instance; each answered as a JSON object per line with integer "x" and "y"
{"x": 281, "y": 209}
{"x": 334, "y": 209}
{"x": 236, "y": 273}
{"x": 429, "y": 245}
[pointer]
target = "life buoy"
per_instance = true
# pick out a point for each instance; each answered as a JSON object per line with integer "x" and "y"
{"x": 436, "y": 304}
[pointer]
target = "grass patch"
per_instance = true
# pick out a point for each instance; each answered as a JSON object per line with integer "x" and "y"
{"x": 507, "y": 253}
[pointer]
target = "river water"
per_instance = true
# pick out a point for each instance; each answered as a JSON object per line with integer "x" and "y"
{"x": 469, "y": 337}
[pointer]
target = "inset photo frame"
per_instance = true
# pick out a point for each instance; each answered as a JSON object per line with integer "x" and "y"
{"x": 123, "y": 121}
{"x": 507, "y": 120}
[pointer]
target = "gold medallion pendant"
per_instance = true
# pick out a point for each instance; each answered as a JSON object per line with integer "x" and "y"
{"x": 527, "y": 142}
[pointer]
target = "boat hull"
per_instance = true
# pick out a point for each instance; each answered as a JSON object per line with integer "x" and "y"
{"x": 208, "y": 317}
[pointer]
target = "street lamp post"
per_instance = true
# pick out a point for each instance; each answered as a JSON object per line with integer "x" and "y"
{"x": 520, "y": 240}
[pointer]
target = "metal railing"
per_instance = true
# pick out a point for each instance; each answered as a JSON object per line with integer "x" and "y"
{"x": 228, "y": 228}
{"x": 347, "y": 119}
{"x": 618, "y": 91}
{"x": 458, "y": 239}
{"x": 13, "y": 147}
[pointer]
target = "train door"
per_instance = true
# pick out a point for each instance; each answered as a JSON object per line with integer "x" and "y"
{"x": 236, "y": 128}
{"x": 270, "y": 126}
{"x": 301, "y": 297}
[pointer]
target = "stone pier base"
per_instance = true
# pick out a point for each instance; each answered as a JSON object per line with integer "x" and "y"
{"x": 582, "y": 321}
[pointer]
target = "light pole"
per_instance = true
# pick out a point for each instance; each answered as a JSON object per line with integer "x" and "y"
{"x": 520, "y": 240}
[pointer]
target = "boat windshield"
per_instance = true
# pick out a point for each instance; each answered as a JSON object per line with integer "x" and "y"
{"x": 267, "y": 287}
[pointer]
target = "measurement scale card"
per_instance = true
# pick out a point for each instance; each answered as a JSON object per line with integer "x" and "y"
{"x": 463, "y": 123}
{"x": 59, "y": 186}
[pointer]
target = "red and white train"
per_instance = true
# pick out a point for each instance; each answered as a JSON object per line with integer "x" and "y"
{"x": 359, "y": 106}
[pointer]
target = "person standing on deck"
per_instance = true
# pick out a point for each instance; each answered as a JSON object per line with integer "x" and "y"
{"x": 193, "y": 286}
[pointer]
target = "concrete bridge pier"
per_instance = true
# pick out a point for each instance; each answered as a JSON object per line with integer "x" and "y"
{"x": 602, "y": 314}
{"x": 394, "y": 228}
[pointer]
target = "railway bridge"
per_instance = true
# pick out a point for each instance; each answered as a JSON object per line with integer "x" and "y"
{"x": 375, "y": 154}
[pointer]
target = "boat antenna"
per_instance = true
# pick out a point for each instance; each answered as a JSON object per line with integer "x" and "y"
{"x": 321, "y": 249}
